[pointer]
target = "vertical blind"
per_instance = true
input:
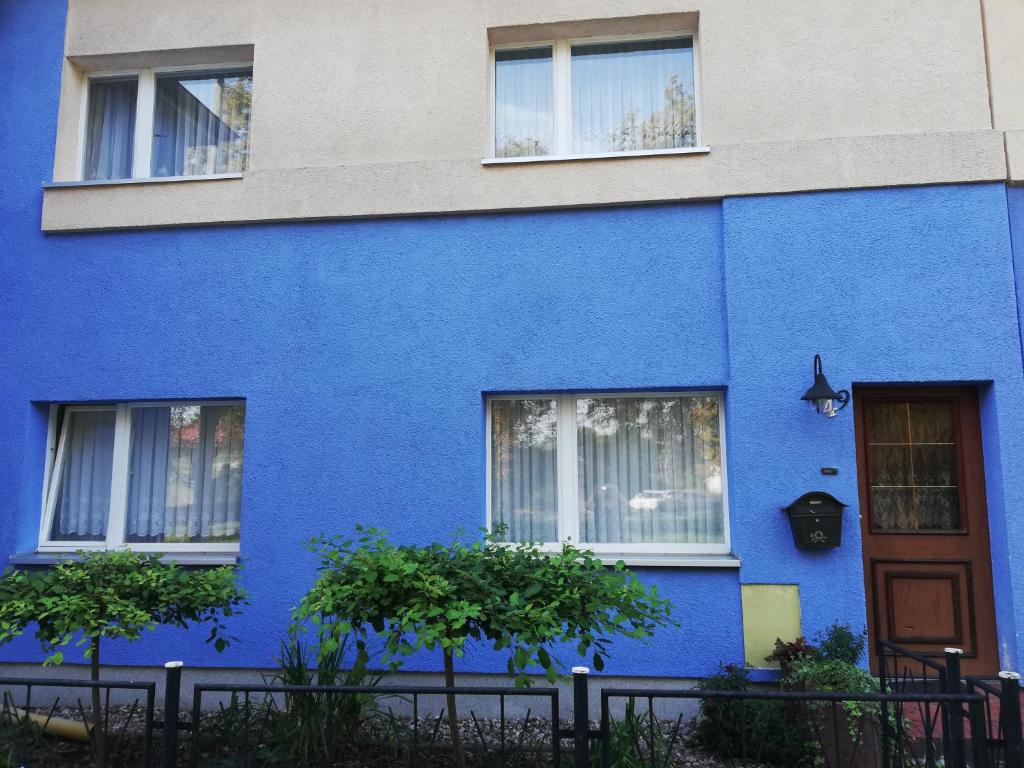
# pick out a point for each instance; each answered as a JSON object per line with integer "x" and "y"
{"x": 110, "y": 129}
{"x": 201, "y": 124}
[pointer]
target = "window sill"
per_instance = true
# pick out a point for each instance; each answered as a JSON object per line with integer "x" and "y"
{"x": 211, "y": 559}
{"x": 596, "y": 156}
{"x": 148, "y": 180}
{"x": 635, "y": 560}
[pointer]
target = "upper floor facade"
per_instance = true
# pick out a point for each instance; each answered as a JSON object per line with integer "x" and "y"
{"x": 403, "y": 108}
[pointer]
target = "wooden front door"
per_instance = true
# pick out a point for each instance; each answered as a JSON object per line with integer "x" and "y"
{"x": 924, "y": 520}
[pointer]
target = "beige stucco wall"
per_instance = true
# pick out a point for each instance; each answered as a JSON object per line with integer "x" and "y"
{"x": 366, "y": 109}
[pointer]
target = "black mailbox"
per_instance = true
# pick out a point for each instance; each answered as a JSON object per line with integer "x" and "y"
{"x": 817, "y": 520}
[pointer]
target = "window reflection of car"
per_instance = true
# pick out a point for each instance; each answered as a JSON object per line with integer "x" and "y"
{"x": 653, "y": 500}
{"x": 649, "y": 500}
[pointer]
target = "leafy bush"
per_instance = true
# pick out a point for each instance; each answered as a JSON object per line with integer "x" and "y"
{"x": 113, "y": 594}
{"x": 771, "y": 731}
{"x": 311, "y": 729}
{"x": 840, "y": 643}
{"x": 440, "y": 596}
{"x": 785, "y": 653}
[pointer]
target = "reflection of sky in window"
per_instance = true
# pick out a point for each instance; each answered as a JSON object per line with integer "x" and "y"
{"x": 614, "y": 84}
{"x": 205, "y": 91}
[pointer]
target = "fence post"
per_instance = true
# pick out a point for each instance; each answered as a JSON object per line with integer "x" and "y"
{"x": 172, "y": 695}
{"x": 581, "y": 717}
{"x": 954, "y": 710}
{"x": 1009, "y": 719}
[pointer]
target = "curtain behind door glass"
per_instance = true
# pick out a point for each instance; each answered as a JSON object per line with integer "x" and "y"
{"x": 110, "y": 129}
{"x": 201, "y": 124}
{"x": 83, "y": 488}
{"x": 186, "y": 474}
{"x": 524, "y": 124}
{"x": 524, "y": 466}
{"x": 650, "y": 470}
{"x": 633, "y": 96}
{"x": 913, "y": 456}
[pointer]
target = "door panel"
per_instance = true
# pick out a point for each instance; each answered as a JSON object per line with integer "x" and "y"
{"x": 924, "y": 522}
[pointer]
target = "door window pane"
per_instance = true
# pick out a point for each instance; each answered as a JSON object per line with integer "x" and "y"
{"x": 524, "y": 123}
{"x": 110, "y": 129}
{"x": 649, "y": 470}
{"x": 633, "y": 96}
{"x": 912, "y": 462}
{"x": 83, "y": 487}
{"x": 201, "y": 124}
{"x": 185, "y": 481}
{"x": 524, "y": 468}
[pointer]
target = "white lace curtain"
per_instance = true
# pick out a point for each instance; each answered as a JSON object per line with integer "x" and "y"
{"x": 110, "y": 129}
{"x": 184, "y": 474}
{"x": 645, "y": 469}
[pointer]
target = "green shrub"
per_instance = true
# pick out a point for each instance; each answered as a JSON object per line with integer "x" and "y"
{"x": 311, "y": 729}
{"x": 772, "y": 731}
{"x": 113, "y": 594}
{"x": 318, "y": 728}
{"x": 635, "y": 741}
{"x": 839, "y": 642}
{"x": 440, "y": 596}
{"x": 785, "y": 653}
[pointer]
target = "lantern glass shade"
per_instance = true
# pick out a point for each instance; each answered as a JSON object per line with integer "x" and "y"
{"x": 821, "y": 396}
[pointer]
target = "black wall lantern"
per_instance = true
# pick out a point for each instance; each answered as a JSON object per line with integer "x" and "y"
{"x": 821, "y": 396}
{"x": 817, "y": 520}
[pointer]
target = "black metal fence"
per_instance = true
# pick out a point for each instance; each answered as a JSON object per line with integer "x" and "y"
{"x": 925, "y": 714}
{"x": 392, "y": 725}
{"x": 32, "y": 708}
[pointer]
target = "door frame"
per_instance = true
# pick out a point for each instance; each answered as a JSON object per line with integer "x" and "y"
{"x": 975, "y": 517}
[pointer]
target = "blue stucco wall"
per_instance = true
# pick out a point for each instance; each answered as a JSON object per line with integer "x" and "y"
{"x": 364, "y": 350}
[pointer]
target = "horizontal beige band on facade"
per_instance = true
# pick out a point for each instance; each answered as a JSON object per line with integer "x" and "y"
{"x": 463, "y": 185}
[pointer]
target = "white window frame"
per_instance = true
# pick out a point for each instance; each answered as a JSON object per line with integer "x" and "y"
{"x": 561, "y": 89}
{"x": 568, "y": 491}
{"x": 145, "y": 108}
{"x": 56, "y": 453}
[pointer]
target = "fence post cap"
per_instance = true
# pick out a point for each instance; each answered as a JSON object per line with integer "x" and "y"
{"x": 174, "y": 664}
{"x": 958, "y": 651}
{"x": 1006, "y": 675}
{"x": 581, "y": 670}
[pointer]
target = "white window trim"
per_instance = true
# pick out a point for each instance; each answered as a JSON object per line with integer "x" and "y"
{"x": 561, "y": 73}
{"x": 56, "y": 451}
{"x": 145, "y": 108}
{"x": 715, "y": 555}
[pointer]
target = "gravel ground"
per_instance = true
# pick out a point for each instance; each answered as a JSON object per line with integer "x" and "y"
{"x": 527, "y": 744}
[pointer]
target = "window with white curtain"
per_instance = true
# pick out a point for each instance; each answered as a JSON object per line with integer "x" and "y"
{"x": 153, "y": 123}
{"x": 594, "y": 97}
{"x": 614, "y": 472}
{"x": 110, "y": 128}
{"x": 153, "y": 476}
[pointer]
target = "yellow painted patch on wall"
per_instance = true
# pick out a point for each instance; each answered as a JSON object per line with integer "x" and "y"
{"x": 770, "y": 611}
